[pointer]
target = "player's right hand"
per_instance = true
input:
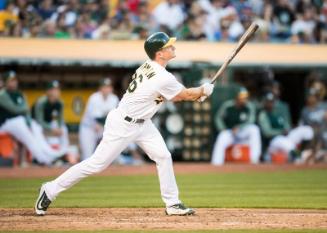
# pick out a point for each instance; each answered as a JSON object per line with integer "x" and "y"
{"x": 207, "y": 88}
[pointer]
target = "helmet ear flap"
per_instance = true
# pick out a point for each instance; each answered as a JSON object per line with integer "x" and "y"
{"x": 152, "y": 55}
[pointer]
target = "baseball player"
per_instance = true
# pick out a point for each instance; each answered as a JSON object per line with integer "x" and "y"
{"x": 151, "y": 85}
{"x": 276, "y": 129}
{"x": 235, "y": 121}
{"x": 15, "y": 120}
{"x": 48, "y": 112}
{"x": 98, "y": 106}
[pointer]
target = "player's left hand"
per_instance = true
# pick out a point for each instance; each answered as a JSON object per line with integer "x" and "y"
{"x": 202, "y": 98}
{"x": 207, "y": 88}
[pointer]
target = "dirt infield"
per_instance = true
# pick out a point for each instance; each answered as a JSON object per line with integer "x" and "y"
{"x": 154, "y": 218}
{"x": 147, "y": 169}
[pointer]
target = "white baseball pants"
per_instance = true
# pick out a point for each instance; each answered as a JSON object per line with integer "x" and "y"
{"x": 289, "y": 142}
{"x": 249, "y": 134}
{"x": 118, "y": 133}
{"x": 32, "y": 137}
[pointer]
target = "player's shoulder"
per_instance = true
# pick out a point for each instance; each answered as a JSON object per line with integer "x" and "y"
{"x": 2, "y": 92}
{"x": 157, "y": 68}
{"x": 41, "y": 100}
{"x": 166, "y": 75}
{"x": 95, "y": 96}
{"x": 250, "y": 104}
{"x": 228, "y": 104}
{"x": 113, "y": 97}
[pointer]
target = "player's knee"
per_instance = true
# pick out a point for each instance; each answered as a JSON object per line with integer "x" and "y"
{"x": 92, "y": 166}
{"x": 276, "y": 141}
{"x": 223, "y": 135}
{"x": 163, "y": 154}
{"x": 166, "y": 155}
{"x": 308, "y": 133}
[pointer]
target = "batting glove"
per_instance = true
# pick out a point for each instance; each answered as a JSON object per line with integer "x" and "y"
{"x": 207, "y": 89}
{"x": 202, "y": 98}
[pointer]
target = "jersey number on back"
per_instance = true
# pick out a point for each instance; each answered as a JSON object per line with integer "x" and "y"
{"x": 135, "y": 80}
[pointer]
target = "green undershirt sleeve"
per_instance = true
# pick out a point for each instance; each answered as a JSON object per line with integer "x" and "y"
{"x": 7, "y": 103}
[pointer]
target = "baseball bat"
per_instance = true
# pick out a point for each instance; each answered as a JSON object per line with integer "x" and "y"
{"x": 243, "y": 40}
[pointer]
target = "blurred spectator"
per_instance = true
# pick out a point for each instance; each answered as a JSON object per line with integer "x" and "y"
{"x": 85, "y": 27}
{"x": 232, "y": 24}
{"x": 303, "y": 27}
{"x": 8, "y": 19}
{"x": 142, "y": 15}
{"x": 281, "y": 107}
{"x": 62, "y": 29}
{"x": 322, "y": 25}
{"x": 270, "y": 121}
{"x": 97, "y": 108}
{"x": 297, "y": 21}
{"x": 48, "y": 29}
{"x": 315, "y": 81}
{"x": 169, "y": 13}
{"x": 48, "y": 111}
{"x": 15, "y": 120}
{"x": 2, "y": 4}
{"x": 122, "y": 26}
{"x": 133, "y": 5}
{"x": 321, "y": 89}
{"x": 235, "y": 122}
{"x": 215, "y": 10}
{"x": 46, "y": 9}
{"x": 282, "y": 19}
{"x": 194, "y": 26}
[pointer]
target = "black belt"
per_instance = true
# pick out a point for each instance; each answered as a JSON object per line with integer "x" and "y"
{"x": 129, "y": 119}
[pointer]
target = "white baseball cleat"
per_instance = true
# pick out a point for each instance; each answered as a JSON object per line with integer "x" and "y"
{"x": 42, "y": 202}
{"x": 179, "y": 209}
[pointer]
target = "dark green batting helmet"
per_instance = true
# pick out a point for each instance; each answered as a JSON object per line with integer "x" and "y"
{"x": 157, "y": 41}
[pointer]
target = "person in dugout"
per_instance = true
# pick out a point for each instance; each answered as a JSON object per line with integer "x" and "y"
{"x": 15, "y": 120}
{"x": 279, "y": 134}
{"x": 48, "y": 111}
{"x": 235, "y": 122}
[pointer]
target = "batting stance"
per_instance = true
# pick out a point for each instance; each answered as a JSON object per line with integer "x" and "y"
{"x": 131, "y": 122}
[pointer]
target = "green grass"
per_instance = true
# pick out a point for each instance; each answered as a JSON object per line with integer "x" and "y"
{"x": 296, "y": 189}
{"x": 204, "y": 231}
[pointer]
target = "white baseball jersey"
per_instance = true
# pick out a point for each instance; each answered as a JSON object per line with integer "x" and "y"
{"x": 151, "y": 85}
{"x": 97, "y": 106}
